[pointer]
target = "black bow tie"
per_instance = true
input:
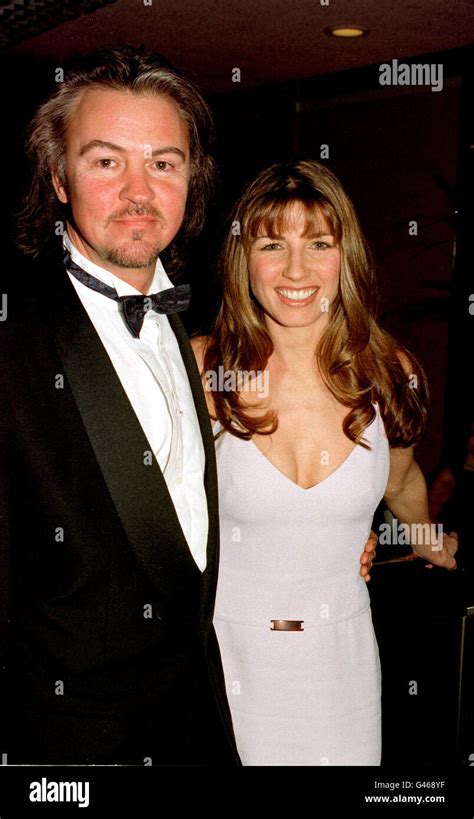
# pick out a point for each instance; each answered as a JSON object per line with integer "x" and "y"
{"x": 134, "y": 308}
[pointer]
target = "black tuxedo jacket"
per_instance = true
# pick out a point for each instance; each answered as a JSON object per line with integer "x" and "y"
{"x": 110, "y": 655}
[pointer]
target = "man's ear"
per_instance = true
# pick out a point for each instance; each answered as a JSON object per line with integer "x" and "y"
{"x": 59, "y": 185}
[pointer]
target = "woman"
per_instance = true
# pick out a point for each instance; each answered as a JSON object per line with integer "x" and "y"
{"x": 316, "y": 410}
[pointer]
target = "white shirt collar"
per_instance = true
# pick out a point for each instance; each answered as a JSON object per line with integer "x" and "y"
{"x": 160, "y": 281}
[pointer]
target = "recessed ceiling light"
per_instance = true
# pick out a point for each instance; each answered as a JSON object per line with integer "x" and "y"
{"x": 346, "y": 31}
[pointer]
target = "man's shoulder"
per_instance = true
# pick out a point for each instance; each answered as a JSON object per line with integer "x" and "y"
{"x": 29, "y": 289}
{"x": 31, "y": 279}
{"x": 20, "y": 271}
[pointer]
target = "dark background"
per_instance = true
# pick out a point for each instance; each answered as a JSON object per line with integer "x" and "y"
{"x": 403, "y": 154}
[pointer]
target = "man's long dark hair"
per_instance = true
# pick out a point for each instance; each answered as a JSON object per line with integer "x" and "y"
{"x": 121, "y": 69}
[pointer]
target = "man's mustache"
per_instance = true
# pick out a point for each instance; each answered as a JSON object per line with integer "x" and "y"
{"x": 137, "y": 210}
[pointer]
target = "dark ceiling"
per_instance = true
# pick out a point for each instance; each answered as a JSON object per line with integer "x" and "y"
{"x": 268, "y": 40}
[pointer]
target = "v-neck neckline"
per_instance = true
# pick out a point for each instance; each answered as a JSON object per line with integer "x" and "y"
{"x": 323, "y": 480}
{"x": 296, "y": 485}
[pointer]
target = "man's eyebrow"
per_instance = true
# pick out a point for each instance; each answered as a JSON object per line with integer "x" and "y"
{"x": 169, "y": 150}
{"x": 100, "y": 143}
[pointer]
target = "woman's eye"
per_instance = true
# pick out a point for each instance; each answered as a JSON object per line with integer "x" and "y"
{"x": 271, "y": 246}
{"x": 319, "y": 245}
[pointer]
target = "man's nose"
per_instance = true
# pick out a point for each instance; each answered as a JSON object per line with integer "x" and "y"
{"x": 136, "y": 186}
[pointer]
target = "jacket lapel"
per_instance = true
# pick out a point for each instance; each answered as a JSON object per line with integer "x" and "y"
{"x": 209, "y": 579}
{"x": 138, "y": 488}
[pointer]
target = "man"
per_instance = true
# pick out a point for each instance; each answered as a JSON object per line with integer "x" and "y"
{"x": 108, "y": 485}
{"x": 111, "y": 488}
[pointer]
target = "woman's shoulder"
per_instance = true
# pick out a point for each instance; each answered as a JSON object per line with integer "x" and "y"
{"x": 199, "y": 345}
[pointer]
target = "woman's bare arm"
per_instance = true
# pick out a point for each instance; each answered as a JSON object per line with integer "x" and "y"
{"x": 407, "y": 498}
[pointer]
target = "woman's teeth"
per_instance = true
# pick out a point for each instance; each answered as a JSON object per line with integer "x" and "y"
{"x": 297, "y": 295}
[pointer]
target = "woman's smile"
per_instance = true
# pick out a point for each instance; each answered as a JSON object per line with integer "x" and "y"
{"x": 297, "y": 296}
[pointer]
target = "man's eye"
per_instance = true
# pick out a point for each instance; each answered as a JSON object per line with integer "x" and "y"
{"x": 162, "y": 165}
{"x": 105, "y": 163}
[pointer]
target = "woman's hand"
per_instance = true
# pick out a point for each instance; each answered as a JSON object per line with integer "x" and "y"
{"x": 443, "y": 557}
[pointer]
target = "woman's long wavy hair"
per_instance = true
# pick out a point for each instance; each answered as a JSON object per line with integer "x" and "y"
{"x": 121, "y": 69}
{"x": 358, "y": 360}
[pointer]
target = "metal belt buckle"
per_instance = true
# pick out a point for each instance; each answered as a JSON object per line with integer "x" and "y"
{"x": 287, "y": 625}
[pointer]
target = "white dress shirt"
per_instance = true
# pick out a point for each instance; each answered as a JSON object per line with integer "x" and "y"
{"x": 154, "y": 377}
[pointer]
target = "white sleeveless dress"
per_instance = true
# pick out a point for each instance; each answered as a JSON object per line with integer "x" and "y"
{"x": 308, "y": 697}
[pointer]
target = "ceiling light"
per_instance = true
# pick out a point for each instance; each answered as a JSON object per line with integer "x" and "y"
{"x": 347, "y": 31}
